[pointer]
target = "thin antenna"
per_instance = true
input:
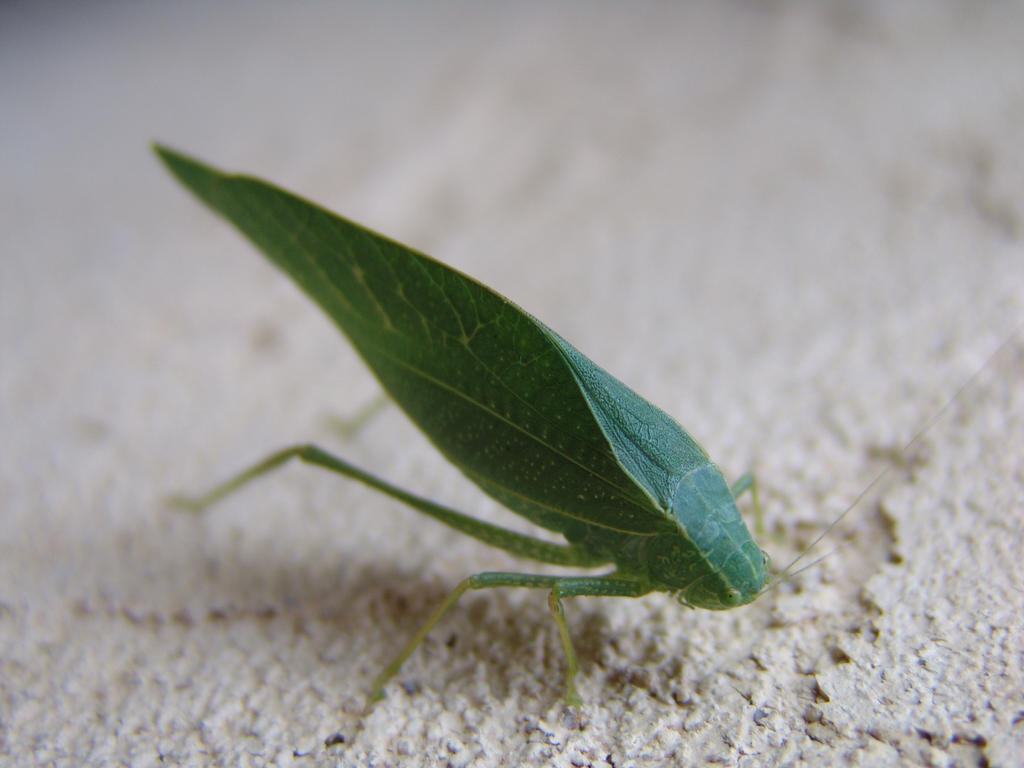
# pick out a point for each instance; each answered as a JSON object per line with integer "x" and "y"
{"x": 787, "y": 574}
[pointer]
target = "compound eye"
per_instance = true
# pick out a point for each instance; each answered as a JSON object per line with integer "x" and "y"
{"x": 765, "y": 559}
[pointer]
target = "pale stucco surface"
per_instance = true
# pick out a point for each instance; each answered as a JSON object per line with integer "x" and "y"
{"x": 796, "y": 227}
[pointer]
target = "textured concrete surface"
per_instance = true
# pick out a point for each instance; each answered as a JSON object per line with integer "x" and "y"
{"x": 797, "y": 228}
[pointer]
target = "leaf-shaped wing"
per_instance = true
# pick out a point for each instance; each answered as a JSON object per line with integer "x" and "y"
{"x": 649, "y": 444}
{"x": 516, "y": 408}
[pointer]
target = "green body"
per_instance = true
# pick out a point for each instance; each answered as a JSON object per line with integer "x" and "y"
{"x": 521, "y": 412}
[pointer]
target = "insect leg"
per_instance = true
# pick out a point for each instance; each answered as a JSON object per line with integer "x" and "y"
{"x": 348, "y": 427}
{"x": 517, "y": 544}
{"x": 746, "y": 483}
{"x": 560, "y": 586}
{"x": 582, "y": 585}
{"x": 377, "y": 688}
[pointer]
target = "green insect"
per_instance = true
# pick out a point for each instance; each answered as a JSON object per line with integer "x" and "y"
{"x": 516, "y": 408}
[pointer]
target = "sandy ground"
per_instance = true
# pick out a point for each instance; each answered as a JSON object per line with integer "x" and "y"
{"x": 797, "y": 228}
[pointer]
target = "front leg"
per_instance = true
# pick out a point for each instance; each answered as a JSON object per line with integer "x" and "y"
{"x": 610, "y": 585}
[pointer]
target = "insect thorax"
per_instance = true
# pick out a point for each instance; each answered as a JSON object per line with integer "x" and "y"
{"x": 711, "y": 561}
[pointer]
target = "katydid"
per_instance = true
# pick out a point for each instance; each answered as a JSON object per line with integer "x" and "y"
{"x": 516, "y": 408}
